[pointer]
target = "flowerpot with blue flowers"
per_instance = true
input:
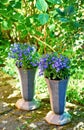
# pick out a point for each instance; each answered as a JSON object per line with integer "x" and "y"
{"x": 56, "y": 69}
{"x": 26, "y": 60}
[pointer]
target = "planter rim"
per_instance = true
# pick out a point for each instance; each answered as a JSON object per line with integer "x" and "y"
{"x": 25, "y": 69}
{"x": 56, "y": 80}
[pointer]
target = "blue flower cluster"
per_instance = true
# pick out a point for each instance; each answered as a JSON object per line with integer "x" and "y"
{"x": 54, "y": 66}
{"x": 24, "y": 55}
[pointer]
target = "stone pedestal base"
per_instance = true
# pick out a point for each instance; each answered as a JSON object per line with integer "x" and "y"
{"x": 27, "y": 105}
{"x": 55, "y": 119}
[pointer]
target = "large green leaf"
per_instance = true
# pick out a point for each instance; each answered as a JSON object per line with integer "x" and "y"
{"x": 52, "y": 27}
{"x": 4, "y": 1}
{"x": 43, "y": 18}
{"x": 24, "y": 33}
{"x": 28, "y": 23}
{"x": 4, "y": 13}
{"x": 62, "y": 13}
{"x": 6, "y": 25}
{"x": 17, "y": 5}
{"x": 21, "y": 27}
{"x": 69, "y": 10}
{"x": 18, "y": 16}
{"x": 2, "y": 6}
{"x": 54, "y": 1}
{"x": 76, "y": 24}
{"x": 42, "y": 5}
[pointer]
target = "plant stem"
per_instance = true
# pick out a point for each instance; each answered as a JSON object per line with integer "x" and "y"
{"x": 44, "y": 43}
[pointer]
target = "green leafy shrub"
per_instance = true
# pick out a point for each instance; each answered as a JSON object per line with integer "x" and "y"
{"x": 10, "y": 67}
{"x": 4, "y": 48}
{"x": 75, "y": 91}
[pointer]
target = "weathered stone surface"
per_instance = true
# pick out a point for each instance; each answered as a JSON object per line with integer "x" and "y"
{"x": 27, "y": 105}
{"x": 55, "y": 119}
{"x": 12, "y": 118}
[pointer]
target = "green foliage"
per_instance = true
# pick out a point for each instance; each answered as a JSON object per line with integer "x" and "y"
{"x": 10, "y": 67}
{"x": 42, "y": 5}
{"x": 40, "y": 85}
{"x": 43, "y": 18}
{"x": 78, "y": 60}
{"x": 75, "y": 91}
{"x": 51, "y": 25}
{"x": 4, "y": 48}
{"x": 6, "y": 25}
{"x": 54, "y": 1}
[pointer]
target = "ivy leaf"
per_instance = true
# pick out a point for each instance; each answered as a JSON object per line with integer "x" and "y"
{"x": 6, "y": 25}
{"x": 69, "y": 10}
{"x": 18, "y": 16}
{"x": 4, "y": 13}
{"x": 52, "y": 27}
{"x": 76, "y": 24}
{"x": 21, "y": 27}
{"x": 42, "y": 5}
{"x": 28, "y": 23}
{"x": 62, "y": 13}
{"x": 43, "y": 18}
{"x": 24, "y": 33}
{"x": 1, "y": 19}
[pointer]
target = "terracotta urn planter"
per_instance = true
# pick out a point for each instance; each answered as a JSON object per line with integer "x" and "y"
{"x": 26, "y": 78}
{"x": 57, "y": 91}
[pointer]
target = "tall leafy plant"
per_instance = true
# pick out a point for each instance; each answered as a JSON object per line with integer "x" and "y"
{"x": 52, "y": 25}
{"x": 63, "y": 29}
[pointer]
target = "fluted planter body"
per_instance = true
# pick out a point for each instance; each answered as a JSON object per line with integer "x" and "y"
{"x": 27, "y": 78}
{"x": 57, "y": 91}
{"x": 27, "y": 83}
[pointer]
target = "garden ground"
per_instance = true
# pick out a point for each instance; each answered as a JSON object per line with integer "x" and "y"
{"x": 12, "y": 118}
